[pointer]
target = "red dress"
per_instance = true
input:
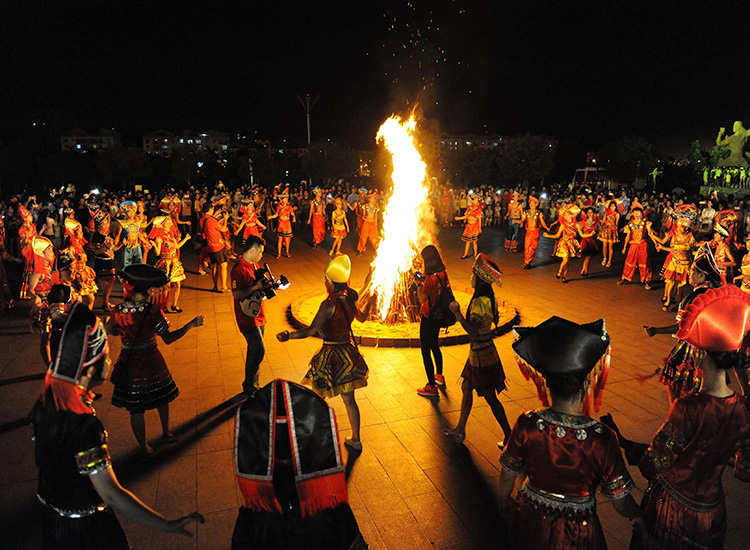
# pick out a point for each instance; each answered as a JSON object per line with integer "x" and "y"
{"x": 473, "y": 224}
{"x": 684, "y": 505}
{"x": 285, "y": 220}
{"x": 566, "y": 458}
{"x": 337, "y": 367}
{"x": 146, "y": 383}
{"x": 318, "y": 221}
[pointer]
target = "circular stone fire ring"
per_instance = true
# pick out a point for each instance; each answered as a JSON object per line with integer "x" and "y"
{"x": 402, "y": 335}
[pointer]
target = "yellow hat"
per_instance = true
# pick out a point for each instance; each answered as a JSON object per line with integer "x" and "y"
{"x": 339, "y": 269}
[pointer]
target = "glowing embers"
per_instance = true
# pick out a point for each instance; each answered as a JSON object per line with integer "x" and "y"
{"x": 407, "y": 223}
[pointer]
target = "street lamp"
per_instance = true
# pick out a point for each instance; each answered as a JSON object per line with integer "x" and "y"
{"x": 307, "y": 104}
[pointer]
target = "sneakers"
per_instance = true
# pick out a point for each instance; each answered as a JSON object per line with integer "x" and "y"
{"x": 428, "y": 391}
{"x": 440, "y": 380}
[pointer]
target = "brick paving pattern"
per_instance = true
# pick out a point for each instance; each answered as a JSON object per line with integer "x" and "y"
{"x": 412, "y": 487}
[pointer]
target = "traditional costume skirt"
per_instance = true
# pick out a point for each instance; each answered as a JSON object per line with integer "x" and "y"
{"x": 589, "y": 246}
{"x": 104, "y": 267}
{"x": 173, "y": 268}
{"x": 338, "y": 231}
{"x": 336, "y": 368}
{"x": 543, "y": 521}
{"x": 682, "y": 372}
{"x": 483, "y": 368}
{"x": 285, "y": 228}
{"x": 471, "y": 232}
{"x": 676, "y": 268}
{"x": 318, "y": 228}
{"x": 568, "y": 247}
{"x": 674, "y": 521}
{"x": 146, "y": 382}
{"x": 608, "y": 235}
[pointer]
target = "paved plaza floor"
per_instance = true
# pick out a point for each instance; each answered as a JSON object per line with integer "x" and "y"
{"x": 411, "y": 487}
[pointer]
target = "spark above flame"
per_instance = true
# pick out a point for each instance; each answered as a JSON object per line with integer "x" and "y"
{"x": 404, "y": 227}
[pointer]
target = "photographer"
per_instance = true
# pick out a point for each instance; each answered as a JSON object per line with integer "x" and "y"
{"x": 244, "y": 284}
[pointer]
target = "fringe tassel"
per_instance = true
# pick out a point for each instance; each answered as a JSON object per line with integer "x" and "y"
{"x": 321, "y": 493}
{"x": 530, "y": 374}
{"x": 259, "y": 495}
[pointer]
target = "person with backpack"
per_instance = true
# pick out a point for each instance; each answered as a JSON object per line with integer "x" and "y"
{"x": 483, "y": 371}
{"x": 430, "y": 286}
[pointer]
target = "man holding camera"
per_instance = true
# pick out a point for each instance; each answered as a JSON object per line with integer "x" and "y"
{"x": 244, "y": 285}
{"x": 215, "y": 248}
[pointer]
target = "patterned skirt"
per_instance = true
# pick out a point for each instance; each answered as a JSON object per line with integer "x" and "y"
{"x": 483, "y": 368}
{"x": 673, "y": 521}
{"x": 471, "y": 232}
{"x": 146, "y": 382}
{"x": 608, "y": 235}
{"x": 568, "y": 247}
{"x": 338, "y": 233}
{"x": 336, "y": 369}
{"x": 173, "y": 268}
{"x": 675, "y": 269}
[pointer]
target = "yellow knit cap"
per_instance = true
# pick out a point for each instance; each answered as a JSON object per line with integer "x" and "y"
{"x": 339, "y": 269}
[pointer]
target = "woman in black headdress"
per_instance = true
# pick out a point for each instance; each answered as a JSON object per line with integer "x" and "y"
{"x": 565, "y": 455}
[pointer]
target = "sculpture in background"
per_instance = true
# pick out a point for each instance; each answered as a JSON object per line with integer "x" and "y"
{"x": 736, "y": 145}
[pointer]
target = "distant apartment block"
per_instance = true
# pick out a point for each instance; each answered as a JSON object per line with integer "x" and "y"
{"x": 164, "y": 143}
{"x": 451, "y": 143}
{"x": 83, "y": 141}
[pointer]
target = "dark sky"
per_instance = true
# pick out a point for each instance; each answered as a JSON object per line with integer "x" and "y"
{"x": 671, "y": 71}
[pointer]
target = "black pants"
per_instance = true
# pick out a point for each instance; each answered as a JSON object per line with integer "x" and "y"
{"x": 428, "y": 341}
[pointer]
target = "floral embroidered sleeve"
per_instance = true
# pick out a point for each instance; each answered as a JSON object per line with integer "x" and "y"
{"x": 668, "y": 443}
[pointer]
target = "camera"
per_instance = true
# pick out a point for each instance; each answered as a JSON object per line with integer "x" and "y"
{"x": 418, "y": 276}
{"x": 251, "y": 305}
{"x": 270, "y": 283}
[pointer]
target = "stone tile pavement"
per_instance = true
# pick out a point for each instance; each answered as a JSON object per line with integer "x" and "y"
{"x": 411, "y": 488}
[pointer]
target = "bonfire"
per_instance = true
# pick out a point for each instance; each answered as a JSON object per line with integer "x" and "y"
{"x": 408, "y": 225}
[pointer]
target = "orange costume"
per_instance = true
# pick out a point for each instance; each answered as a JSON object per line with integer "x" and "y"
{"x": 473, "y": 223}
{"x": 532, "y": 223}
{"x": 318, "y": 221}
{"x": 369, "y": 227}
{"x": 637, "y": 251}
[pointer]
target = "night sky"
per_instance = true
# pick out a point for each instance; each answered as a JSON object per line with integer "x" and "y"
{"x": 592, "y": 71}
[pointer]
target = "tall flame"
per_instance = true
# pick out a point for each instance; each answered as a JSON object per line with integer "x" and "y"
{"x": 404, "y": 222}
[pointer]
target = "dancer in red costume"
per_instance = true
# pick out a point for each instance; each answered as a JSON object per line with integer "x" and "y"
{"x": 637, "y": 230}
{"x": 680, "y": 258}
{"x": 565, "y": 455}
{"x": 609, "y": 232}
{"x": 514, "y": 216}
{"x": 6, "y": 298}
{"x": 26, "y": 234}
{"x": 369, "y": 229}
{"x": 250, "y": 225}
{"x": 83, "y": 277}
{"x": 317, "y": 217}
{"x": 744, "y": 277}
{"x": 587, "y": 231}
{"x": 724, "y": 225}
{"x": 338, "y": 368}
{"x": 568, "y": 246}
{"x": 102, "y": 244}
{"x": 285, "y": 214}
{"x": 473, "y": 229}
{"x": 141, "y": 378}
{"x": 167, "y": 246}
{"x": 339, "y": 226}
{"x": 532, "y": 220}
{"x": 684, "y": 505}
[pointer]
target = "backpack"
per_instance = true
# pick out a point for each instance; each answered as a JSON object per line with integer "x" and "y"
{"x": 440, "y": 314}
